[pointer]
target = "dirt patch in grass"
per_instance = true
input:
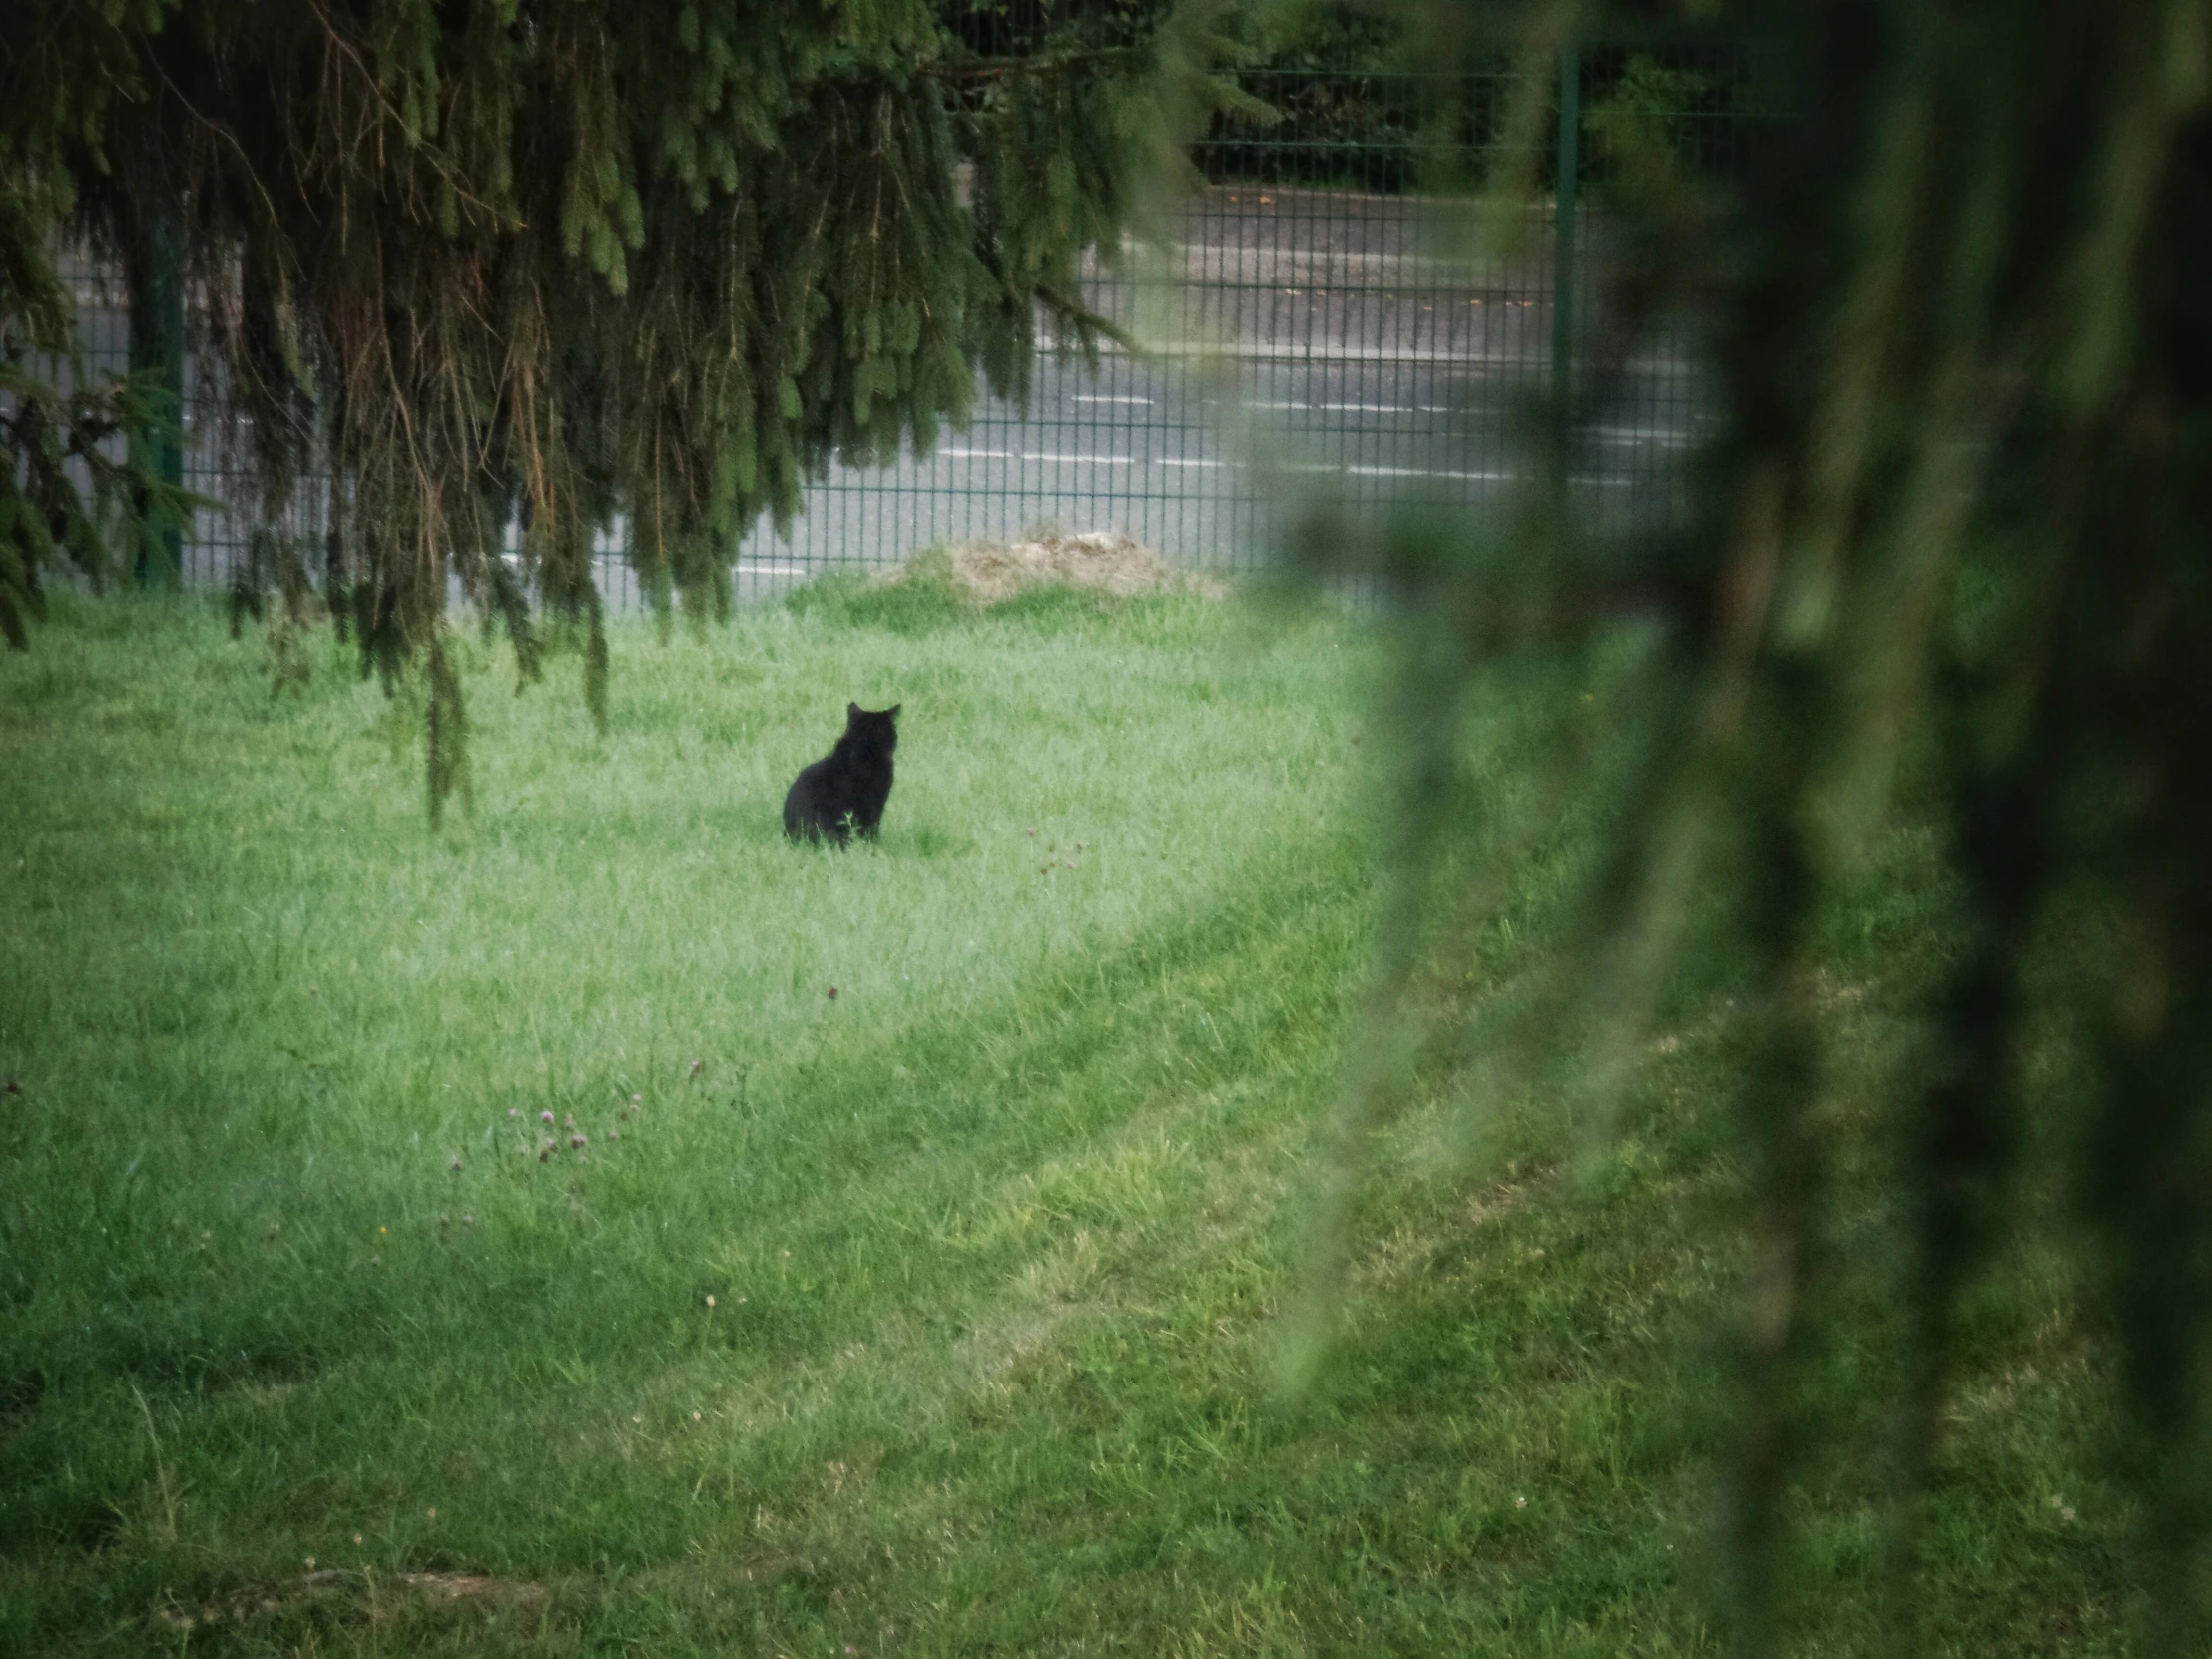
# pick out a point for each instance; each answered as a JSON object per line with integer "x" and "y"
{"x": 351, "y": 1588}
{"x": 480, "y": 1588}
{"x": 1104, "y": 561}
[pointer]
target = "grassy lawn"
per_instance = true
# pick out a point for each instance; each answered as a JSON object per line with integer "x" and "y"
{"x": 905, "y": 1270}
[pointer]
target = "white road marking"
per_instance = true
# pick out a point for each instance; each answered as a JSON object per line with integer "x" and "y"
{"x": 1206, "y": 465}
{"x": 1657, "y": 437}
{"x": 1468, "y": 362}
{"x": 1139, "y": 402}
{"x": 1424, "y": 472}
{"x": 1338, "y": 408}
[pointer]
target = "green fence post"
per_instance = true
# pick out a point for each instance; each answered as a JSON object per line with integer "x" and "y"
{"x": 1562, "y": 235}
{"x": 156, "y": 301}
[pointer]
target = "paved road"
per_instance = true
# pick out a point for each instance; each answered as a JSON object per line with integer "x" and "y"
{"x": 1305, "y": 344}
{"x": 1301, "y": 344}
{"x": 1206, "y": 472}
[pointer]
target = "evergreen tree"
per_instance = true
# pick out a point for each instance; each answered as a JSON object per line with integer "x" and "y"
{"x": 62, "y": 70}
{"x": 1954, "y": 559}
{"x": 475, "y": 262}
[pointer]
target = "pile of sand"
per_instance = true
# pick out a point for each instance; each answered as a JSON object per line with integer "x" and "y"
{"x": 985, "y": 572}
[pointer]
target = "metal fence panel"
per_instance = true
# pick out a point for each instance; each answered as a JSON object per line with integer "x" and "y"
{"x": 1342, "y": 312}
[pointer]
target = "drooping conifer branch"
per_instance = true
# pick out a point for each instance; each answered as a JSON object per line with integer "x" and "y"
{"x": 513, "y": 263}
{"x": 1122, "y": 58}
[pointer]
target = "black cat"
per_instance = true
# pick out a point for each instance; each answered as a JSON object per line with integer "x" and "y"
{"x": 845, "y": 789}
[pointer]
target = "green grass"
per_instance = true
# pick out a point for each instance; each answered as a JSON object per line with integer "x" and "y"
{"x": 997, "y": 1239}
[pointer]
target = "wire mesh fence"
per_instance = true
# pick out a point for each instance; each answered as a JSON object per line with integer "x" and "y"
{"x": 1349, "y": 309}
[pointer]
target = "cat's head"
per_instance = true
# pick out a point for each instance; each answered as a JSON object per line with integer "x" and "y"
{"x": 876, "y": 729}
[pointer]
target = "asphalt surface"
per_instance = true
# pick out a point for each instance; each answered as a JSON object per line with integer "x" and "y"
{"x": 1301, "y": 347}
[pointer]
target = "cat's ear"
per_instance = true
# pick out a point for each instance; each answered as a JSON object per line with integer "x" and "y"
{"x": 893, "y": 710}
{"x": 853, "y": 712}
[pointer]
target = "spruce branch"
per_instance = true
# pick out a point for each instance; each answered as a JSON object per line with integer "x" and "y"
{"x": 967, "y": 70}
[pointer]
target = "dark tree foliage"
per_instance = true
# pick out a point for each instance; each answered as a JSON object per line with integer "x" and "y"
{"x": 1955, "y": 558}
{"x": 475, "y": 262}
{"x": 57, "y": 82}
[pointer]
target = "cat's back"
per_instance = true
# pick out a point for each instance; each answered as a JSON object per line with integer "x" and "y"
{"x": 807, "y": 805}
{"x": 849, "y": 785}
